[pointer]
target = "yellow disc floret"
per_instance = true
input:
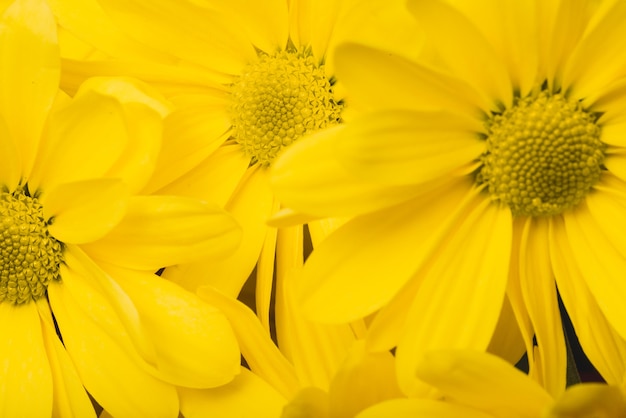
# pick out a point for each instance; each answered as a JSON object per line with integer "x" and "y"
{"x": 278, "y": 99}
{"x": 30, "y": 256}
{"x": 543, "y": 155}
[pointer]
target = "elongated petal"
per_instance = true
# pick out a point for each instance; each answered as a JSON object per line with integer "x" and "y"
{"x": 10, "y": 164}
{"x": 179, "y": 28}
{"x": 539, "y": 292}
{"x": 602, "y": 345}
{"x": 83, "y": 141}
{"x": 86, "y": 210}
{"x": 25, "y": 371}
{"x": 403, "y": 147}
{"x": 246, "y": 396}
{"x": 590, "y": 399}
{"x": 464, "y": 50}
{"x": 70, "y": 398}
{"x": 160, "y": 231}
{"x": 407, "y": 84}
{"x": 310, "y": 178}
{"x": 459, "y": 311}
{"x": 420, "y": 408}
{"x": 195, "y": 345}
{"x": 599, "y": 252}
{"x": 342, "y": 277}
{"x": 258, "y": 349}
{"x": 100, "y": 350}
{"x": 28, "y": 80}
{"x": 485, "y": 382}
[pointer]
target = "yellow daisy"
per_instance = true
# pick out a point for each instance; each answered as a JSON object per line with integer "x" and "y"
{"x": 80, "y": 310}
{"x": 248, "y": 78}
{"x": 494, "y": 163}
{"x": 480, "y": 385}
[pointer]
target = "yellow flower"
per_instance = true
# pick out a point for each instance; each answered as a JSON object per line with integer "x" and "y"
{"x": 492, "y": 164}
{"x": 80, "y": 309}
{"x": 480, "y": 385}
{"x": 248, "y": 78}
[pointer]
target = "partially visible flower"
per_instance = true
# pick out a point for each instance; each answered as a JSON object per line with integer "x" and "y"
{"x": 477, "y": 384}
{"x": 491, "y": 165}
{"x": 80, "y": 308}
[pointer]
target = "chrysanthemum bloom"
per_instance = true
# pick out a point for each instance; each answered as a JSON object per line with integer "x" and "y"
{"x": 480, "y": 385}
{"x": 248, "y": 78}
{"x": 79, "y": 305}
{"x": 493, "y": 164}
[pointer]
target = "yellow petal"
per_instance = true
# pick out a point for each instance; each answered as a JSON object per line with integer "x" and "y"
{"x": 463, "y": 50}
{"x": 28, "y": 81}
{"x": 407, "y": 84}
{"x": 263, "y": 357}
{"x": 590, "y": 400}
{"x": 159, "y": 231}
{"x": 180, "y": 29}
{"x": 599, "y": 252}
{"x": 246, "y": 396}
{"x": 364, "y": 379}
{"x": 485, "y": 382}
{"x": 539, "y": 292}
{"x": 100, "y": 349}
{"x": 342, "y": 277}
{"x": 452, "y": 310}
{"x": 83, "y": 141}
{"x": 86, "y": 210}
{"x": 404, "y": 147}
{"x": 192, "y": 133}
{"x": 327, "y": 188}
{"x": 602, "y": 345}
{"x": 26, "y": 388}
{"x": 10, "y": 163}
{"x": 194, "y": 343}
{"x": 70, "y": 398}
{"x": 507, "y": 341}
{"x": 598, "y": 59}
{"x": 410, "y": 408}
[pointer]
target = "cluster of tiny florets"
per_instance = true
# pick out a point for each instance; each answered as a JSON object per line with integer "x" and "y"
{"x": 278, "y": 99}
{"x": 30, "y": 256}
{"x": 543, "y": 155}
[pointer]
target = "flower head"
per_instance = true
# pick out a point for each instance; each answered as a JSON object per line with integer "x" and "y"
{"x": 491, "y": 164}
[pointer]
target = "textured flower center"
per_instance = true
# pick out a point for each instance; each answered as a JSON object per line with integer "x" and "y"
{"x": 543, "y": 155}
{"x": 30, "y": 256}
{"x": 278, "y": 99}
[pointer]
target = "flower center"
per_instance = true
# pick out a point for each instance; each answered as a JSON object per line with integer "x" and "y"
{"x": 543, "y": 155}
{"x": 278, "y": 99}
{"x": 30, "y": 256}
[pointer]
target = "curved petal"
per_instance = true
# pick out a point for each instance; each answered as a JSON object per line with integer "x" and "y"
{"x": 180, "y": 29}
{"x": 599, "y": 251}
{"x": 194, "y": 343}
{"x": 341, "y": 280}
{"x": 420, "y": 408}
{"x": 112, "y": 375}
{"x": 452, "y": 310}
{"x": 24, "y": 367}
{"x": 84, "y": 211}
{"x": 601, "y": 344}
{"x": 541, "y": 300}
{"x": 10, "y": 161}
{"x": 376, "y": 80}
{"x": 464, "y": 51}
{"x": 260, "y": 352}
{"x": 399, "y": 147}
{"x": 28, "y": 80}
{"x": 246, "y": 396}
{"x": 69, "y": 396}
{"x": 309, "y": 178}
{"x": 485, "y": 382}
{"x": 159, "y": 231}
{"x": 83, "y": 141}
{"x": 590, "y": 399}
